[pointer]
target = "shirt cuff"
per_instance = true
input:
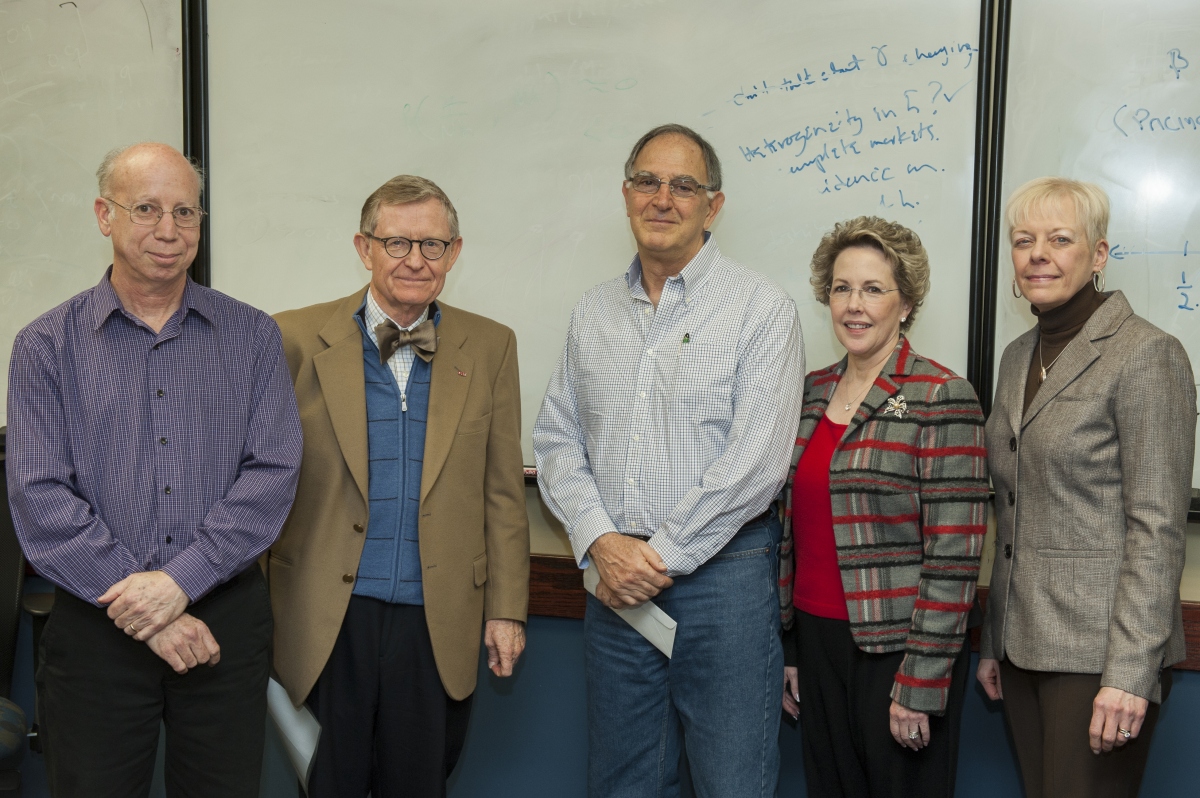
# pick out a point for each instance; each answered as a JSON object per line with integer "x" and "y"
{"x": 591, "y": 526}
{"x": 192, "y": 571}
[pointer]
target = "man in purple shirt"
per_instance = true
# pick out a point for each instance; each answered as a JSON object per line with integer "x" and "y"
{"x": 153, "y": 452}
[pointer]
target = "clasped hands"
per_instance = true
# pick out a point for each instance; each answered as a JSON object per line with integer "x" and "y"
{"x": 1117, "y": 716}
{"x": 631, "y": 571}
{"x": 149, "y": 606}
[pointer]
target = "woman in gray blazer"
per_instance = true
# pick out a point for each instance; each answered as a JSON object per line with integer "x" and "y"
{"x": 1090, "y": 446}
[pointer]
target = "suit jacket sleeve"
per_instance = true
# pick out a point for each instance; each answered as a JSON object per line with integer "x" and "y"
{"x": 952, "y": 466}
{"x": 506, "y": 533}
{"x": 1157, "y": 440}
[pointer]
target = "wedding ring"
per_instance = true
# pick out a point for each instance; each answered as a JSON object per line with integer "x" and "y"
{"x": 1126, "y": 733}
{"x": 914, "y": 734}
{"x": 130, "y": 628}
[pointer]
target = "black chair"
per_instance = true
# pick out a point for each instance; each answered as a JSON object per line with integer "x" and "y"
{"x": 12, "y": 582}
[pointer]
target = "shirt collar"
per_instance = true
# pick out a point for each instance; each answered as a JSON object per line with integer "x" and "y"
{"x": 377, "y": 312}
{"x": 105, "y": 301}
{"x": 692, "y": 276}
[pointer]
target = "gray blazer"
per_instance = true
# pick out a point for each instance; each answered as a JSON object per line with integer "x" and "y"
{"x": 1092, "y": 491}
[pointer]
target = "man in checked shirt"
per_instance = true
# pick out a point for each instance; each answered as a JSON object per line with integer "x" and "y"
{"x": 663, "y": 439}
{"x": 153, "y": 451}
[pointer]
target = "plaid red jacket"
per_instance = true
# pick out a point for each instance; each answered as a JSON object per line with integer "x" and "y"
{"x": 909, "y": 486}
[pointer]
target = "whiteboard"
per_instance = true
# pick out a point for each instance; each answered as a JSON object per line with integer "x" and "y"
{"x": 1124, "y": 114}
{"x": 76, "y": 80}
{"x": 524, "y": 111}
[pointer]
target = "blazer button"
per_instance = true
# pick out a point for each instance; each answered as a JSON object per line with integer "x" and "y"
{"x": 1011, "y": 499}
{"x": 347, "y": 578}
{"x": 1008, "y": 551}
{"x": 1012, "y": 444}
{"x": 358, "y": 527}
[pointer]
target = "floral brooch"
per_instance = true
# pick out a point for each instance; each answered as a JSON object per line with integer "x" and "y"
{"x": 896, "y": 405}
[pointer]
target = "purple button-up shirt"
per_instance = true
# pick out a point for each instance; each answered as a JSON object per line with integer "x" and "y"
{"x": 130, "y": 450}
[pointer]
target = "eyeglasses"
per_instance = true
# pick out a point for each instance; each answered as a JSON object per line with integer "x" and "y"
{"x": 149, "y": 215}
{"x": 399, "y": 246}
{"x": 871, "y": 294}
{"x": 680, "y": 187}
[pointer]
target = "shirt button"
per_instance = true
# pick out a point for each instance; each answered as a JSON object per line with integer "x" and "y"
{"x": 1012, "y": 444}
{"x": 1011, "y": 499}
{"x": 163, "y": 441}
{"x": 630, "y": 480}
{"x": 636, "y": 438}
{"x": 650, "y": 352}
{"x": 642, "y": 394}
{"x": 149, "y": 564}
{"x": 167, "y": 490}
{"x": 347, "y": 578}
{"x": 649, "y": 311}
{"x": 168, "y": 538}
{"x": 160, "y": 392}
{"x": 156, "y": 346}
{"x": 1008, "y": 551}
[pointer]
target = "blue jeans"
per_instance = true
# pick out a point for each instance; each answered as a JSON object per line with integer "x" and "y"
{"x": 718, "y": 695}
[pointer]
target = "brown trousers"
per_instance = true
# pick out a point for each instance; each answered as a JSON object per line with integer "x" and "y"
{"x": 1049, "y": 715}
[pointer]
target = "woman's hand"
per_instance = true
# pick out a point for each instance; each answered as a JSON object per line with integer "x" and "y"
{"x": 1116, "y": 718}
{"x": 909, "y": 727}
{"x": 791, "y": 691}
{"x": 988, "y": 675}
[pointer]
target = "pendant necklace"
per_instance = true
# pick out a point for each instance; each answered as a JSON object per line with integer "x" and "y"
{"x": 864, "y": 393}
{"x": 1042, "y": 362}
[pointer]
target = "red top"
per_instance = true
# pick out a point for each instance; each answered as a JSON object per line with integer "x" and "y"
{"x": 818, "y": 586}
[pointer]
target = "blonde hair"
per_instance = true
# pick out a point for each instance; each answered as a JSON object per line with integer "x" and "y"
{"x": 401, "y": 190}
{"x": 900, "y": 246}
{"x": 1036, "y": 196}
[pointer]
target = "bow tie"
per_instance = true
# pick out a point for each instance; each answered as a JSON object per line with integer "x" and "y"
{"x": 423, "y": 339}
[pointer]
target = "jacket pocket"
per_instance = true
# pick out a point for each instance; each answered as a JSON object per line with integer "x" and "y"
{"x": 480, "y": 567}
{"x": 475, "y": 425}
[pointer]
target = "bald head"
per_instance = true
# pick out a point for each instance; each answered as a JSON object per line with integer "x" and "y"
{"x": 121, "y": 160}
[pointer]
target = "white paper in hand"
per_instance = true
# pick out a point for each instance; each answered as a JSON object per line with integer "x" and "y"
{"x": 298, "y": 730}
{"x": 651, "y": 622}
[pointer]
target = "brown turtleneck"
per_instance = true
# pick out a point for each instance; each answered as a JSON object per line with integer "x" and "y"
{"x": 1056, "y": 328}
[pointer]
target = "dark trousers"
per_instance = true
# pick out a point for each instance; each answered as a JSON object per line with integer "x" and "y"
{"x": 845, "y": 696}
{"x": 387, "y": 726}
{"x": 1049, "y": 715}
{"x": 103, "y": 696}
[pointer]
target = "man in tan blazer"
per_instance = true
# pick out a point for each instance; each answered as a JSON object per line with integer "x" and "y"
{"x": 409, "y": 528}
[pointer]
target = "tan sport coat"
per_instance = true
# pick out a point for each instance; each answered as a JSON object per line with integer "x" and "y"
{"x": 474, "y": 532}
{"x": 1092, "y": 491}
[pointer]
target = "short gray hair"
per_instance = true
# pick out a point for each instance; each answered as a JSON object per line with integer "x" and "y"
{"x": 401, "y": 190}
{"x": 109, "y": 165}
{"x": 712, "y": 164}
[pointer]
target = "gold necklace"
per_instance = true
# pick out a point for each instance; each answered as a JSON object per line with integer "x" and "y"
{"x": 1042, "y": 362}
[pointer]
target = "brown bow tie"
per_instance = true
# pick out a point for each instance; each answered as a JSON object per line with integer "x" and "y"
{"x": 423, "y": 339}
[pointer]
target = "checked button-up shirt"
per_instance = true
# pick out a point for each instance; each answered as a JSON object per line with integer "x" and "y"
{"x": 674, "y": 423}
{"x": 130, "y": 450}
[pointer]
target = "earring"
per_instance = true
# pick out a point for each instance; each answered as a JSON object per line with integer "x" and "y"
{"x": 1098, "y": 280}
{"x": 1016, "y": 291}
{"x": 902, "y": 318}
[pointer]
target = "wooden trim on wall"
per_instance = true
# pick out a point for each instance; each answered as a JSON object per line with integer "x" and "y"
{"x": 556, "y": 590}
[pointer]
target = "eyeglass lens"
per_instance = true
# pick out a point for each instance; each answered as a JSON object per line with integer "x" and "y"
{"x": 680, "y": 187}
{"x": 150, "y": 215}
{"x": 398, "y": 247}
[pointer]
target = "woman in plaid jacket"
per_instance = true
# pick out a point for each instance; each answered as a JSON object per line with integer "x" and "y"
{"x": 888, "y": 503}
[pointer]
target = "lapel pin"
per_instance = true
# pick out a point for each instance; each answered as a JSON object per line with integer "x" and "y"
{"x": 896, "y": 405}
{"x": 460, "y": 373}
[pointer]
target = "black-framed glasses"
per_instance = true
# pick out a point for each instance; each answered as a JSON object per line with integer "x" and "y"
{"x": 144, "y": 213}
{"x": 399, "y": 246}
{"x": 681, "y": 187}
{"x": 869, "y": 293}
